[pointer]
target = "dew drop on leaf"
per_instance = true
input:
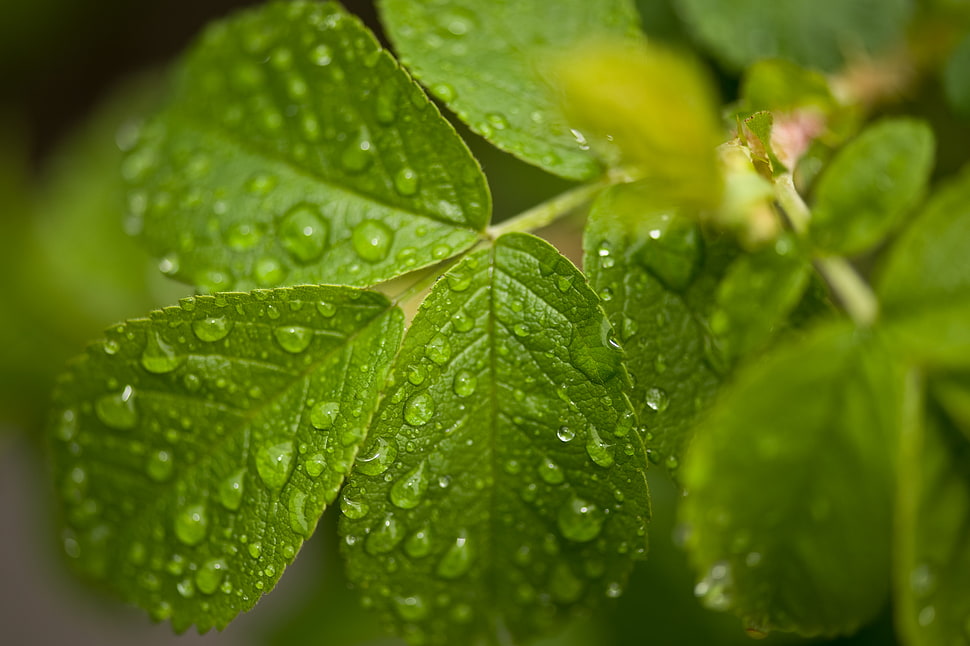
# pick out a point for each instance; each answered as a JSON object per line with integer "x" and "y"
{"x": 191, "y": 524}
{"x": 66, "y": 426}
{"x": 353, "y": 509}
{"x": 580, "y": 521}
{"x": 418, "y": 544}
{"x": 303, "y": 233}
{"x": 231, "y": 490}
{"x": 438, "y": 349}
{"x": 274, "y": 462}
{"x": 326, "y": 309}
{"x": 211, "y": 329}
{"x": 296, "y": 507}
{"x": 406, "y": 181}
{"x": 408, "y": 491}
{"x": 599, "y": 451}
{"x": 566, "y": 586}
{"x": 372, "y": 240}
{"x": 385, "y": 104}
{"x": 550, "y": 472}
{"x": 445, "y": 92}
{"x": 657, "y": 399}
{"x": 158, "y": 357}
{"x": 160, "y": 465}
{"x": 565, "y": 434}
{"x": 381, "y": 456}
{"x": 269, "y": 272}
{"x": 458, "y": 281}
{"x": 243, "y": 236}
{"x": 465, "y": 383}
{"x": 411, "y": 608}
{"x": 293, "y": 338}
{"x": 384, "y": 537}
{"x": 324, "y": 414}
{"x": 456, "y": 560}
{"x": 359, "y": 154}
{"x": 209, "y": 576}
{"x": 419, "y": 409}
{"x": 117, "y": 410}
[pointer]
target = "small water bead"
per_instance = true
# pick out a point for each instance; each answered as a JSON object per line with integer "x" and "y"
{"x": 411, "y": 608}
{"x": 458, "y": 281}
{"x": 315, "y": 465}
{"x": 117, "y": 410}
{"x": 274, "y": 463}
{"x": 159, "y": 357}
{"x": 580, "y": 521}
{"x": 419, "y": 409}
{"x": 922, "y": 580}
{"x": 714, "y": 590}
{"x": 67, "y": 426}
{"x": 385, "y": 104}
{"x": 417, "y": 374}
{"x": 268, "y": 271}
{"x": 353, "y": 509}
{"x": 408, "y": 491}
{"x": 261, "y": 184}
{"x": 299, "y": 522}
{"x": 657, "y": 399}
{"x": 186, "y": 588}
{"x": 444, "y": 91}
{"x": 293, "y": 338}
{"x": 303, "y": 233}
{"x": 599, "y": 451}
{"x": 326, "y": 309}
{"x": 418, "y": 544}
{"x": 438, "y": 349}
{"x": 671, "y": 463}
{"x": 406, "y": 181}
{"x": 191, "y": 524}
{"x": 565, "y": 434}
{"x": 359, "y": 154}
{"x": 456, "y": 560}
{"x": 243, "y": 236}
{"x": 160, "y": 465}
{"x": 324, "y": 414}
{"x": 380, "y": 457}
{"x": 255, "y": 550}
{"x": 384, "y": 537}
{"x": 465, "y": 383}
{"x": 321, "y": 55}
{"x": 372, "y": 240}
{"x": 231, "y": 490}
{"x": 462, "y": 321}
{"x": 566, "y": 586}
{"x": 926, "y": 616}
{"x": 550, "y": 472}
{"x": 212, "y": 329}
{"x": 209, "y": 576}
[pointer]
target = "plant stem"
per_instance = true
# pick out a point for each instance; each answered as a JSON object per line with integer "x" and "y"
{"x": 550, "y": 210}
{"x": 792, "y": 203}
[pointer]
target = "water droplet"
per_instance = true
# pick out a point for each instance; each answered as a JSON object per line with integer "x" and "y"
{"x": 380, "y": 457}
{"x": 67, "y": 426}
{"x": 599, "y": 451}
{"x": 580, "y": 521}
{"x": 321, "y": 55}
{"x": 465, "y": 383}
{"x": 243, "y": 236}
{"x": 438, "y": 349}
{"x": 191, "y": 524}
{"x": 614, "y": 590}
{"x": 714, "y": 590}
{"x": 671, "y": 463}
{"x": 656, "y": 399}
{"x": 458, "y": 281}
{"x": 385, "y": 104}
{"x": 497, "y": 121}
{"x": 926, "y": 616}
{"x": 359, "y": 153}
{"x": 326, "y": 309}
{"x": 117, "y": 410}
{"x": 372, "y": 240}
{"x": 565, "y": 434}
{"x": 293, "y": 338}
{"x": 384, "y": 537}
{"x": 303, "y": 233}
{"x": 406, "y": 181}
{"x": 268, "y": 271}
{"x": 419, "y": 409}
{"x": 411, "y": 608}
{"x": 566, "y": 586}
{"x": 418, "y": 544}
{"x": 324, "y": 414}
{"x": 274, "y": 462}
{"x": 158, "y": 357}
{"x": 922, "y": 580}
{"x": 417, "y": 374}
{"x": 598, "y": 361}
{"x": 160, "y": 465}
{"x": 444, "y": 91}
{"x": 457, "y": 560}
{"x": 296, "y": 507}
{"x": 212, "y": 329}
{"x": 564, "y": 283}
{"x": 550, "y": 472}
{"x": 462, "y": 321}
{"x": 673, "y": 249}
{"x": 209, "y": 576}
{"x": 407, "y": 492}
{"x": 353, "y": 509}
{"x": 231, "y": 490}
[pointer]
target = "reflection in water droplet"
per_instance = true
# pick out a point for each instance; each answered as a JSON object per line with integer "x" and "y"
{"x": 359, "y": 153}
{"x": 714, "y": 590}
{"x": 465, "y": 383}
{"x": 274, "y": 462}
{"x": 303, "y": 233}
{"x": 580, "y": 521}
{"x": 158, "y": 357}
{"x": 438, "y": 349}
{"x": 599, "y": 451}
{"x": 551, "y": 472}
{"x": 324, "y": 414}
{"x": 656, "y": 399}
{"x": 407, "y": 492}
{"x": 353, "y": 509}
{"x": 212, "y": 329}
{"x": 419, "y": 409}
{"x": 384, "y": 537}
{"x": 191, "y": 524}
{"x": 457, "y": 560}
{"x": 209, "y": 576}
{"x": 406, "y": 181}
{"x": 117, "y": 410}
{"x": 372, "y": 240}
{"x": 380, "y": 457}
{"x": 293, "y": 338}
{"x": 565, "y": 434}
{"x": 231, "y": 490}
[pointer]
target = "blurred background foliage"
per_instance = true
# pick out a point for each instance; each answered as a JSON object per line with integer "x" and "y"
{"x": 81, "y": 73}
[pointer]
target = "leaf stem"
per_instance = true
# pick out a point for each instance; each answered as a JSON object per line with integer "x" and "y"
{"x": 792, "y": 203}
{"x": 550, "y": 210}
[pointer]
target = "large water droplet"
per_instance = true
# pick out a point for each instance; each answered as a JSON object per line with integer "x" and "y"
{"x": 438, "y": 349}
{"x": 274, "y": 462}
{"x": 293, "y": 338}
{"x": 159, "y": 357}
{"x": 191, "y": 524}
{"x": 231, "y": 490}
{"x": 565, "y": 434}
{"x": 380, "y": 457}
{"x": 117, "y": 410}
{"x": 465, "y": 383}
{"x": 160, "y": 465}
{"x": 296, "y": 507}
{"x": 353, "y": 509}
{"x": 599, "y": 451}
{"x": 303, "y": 233}
{"x": 419, "y": 409}
{"x": 657, "y": 399}
{"x": 209, "y": 576}
{"x": 598, "y": 359}
{"x": 384, "y": 537}
{"x": 407, "y": 492}
{"x": 673, "y": 249}
{"x": 406, "y": 181}
{"x": 212, "y": 329}
{"x": 550, "y": 472}
{"x": 456, "y": 560}
{"x": 324, "y": 414}
{"x": 580, "y": 521}
{"x": 372, "y": 240}
{"x": 268, "y": 271}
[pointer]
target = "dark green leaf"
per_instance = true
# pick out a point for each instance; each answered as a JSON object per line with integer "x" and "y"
{"x": 933, "y": 545}
{"x": 956, "y": 78}
{"x": 503, "y": 480}
{"x": 789, "y": 488}
{"x": 490, "y": 62}
{"x": 814, "y": 33}
{"x": 952, "y": 392}
{"x": 871, "y": 185}
{"x": 294, "y": 151}
{"x": 657, "y": 278}
{"x": 196, "y": 450}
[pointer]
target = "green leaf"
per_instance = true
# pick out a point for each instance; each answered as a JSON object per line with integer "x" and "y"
{"x": 956, "y": 78}
{"x": 503, "y": 479}
{"x": 952, "y": 392}
{"x": 813, "y": 33}
{"x": 778, "y": 84}
{"x": 933, "y": 545}
{"x": 196, "y": 450}
{"x": 933, "y": 337}
{"x": 789, "y": 487}
{"x": 295, "y": 150}
{"x": 929, "y": 264}
{"x": 489, "y": 62}
{"x": 657, "y": 277}
{"x": 871, "y": 185}
{"x": 756, "y": 295}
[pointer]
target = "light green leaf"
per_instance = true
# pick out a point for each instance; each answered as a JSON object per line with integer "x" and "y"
{"x": 871, "y": 185}
{"x": 778, "y": 84}
{"x": 194, "y": 451}
{"x": 929, "y": 264}
{"x": 657, "y": 277}
{"x": 933, "y": 546}
{"x": 490, "y": 62}
{"x": 503, "y": 480}
{"x": 295, "y": 150}
{"x": 956, "y": 78}
{"x": 789, "y": 487}
{"x": 933, "y": 337}
{"x": 813, "y": 33}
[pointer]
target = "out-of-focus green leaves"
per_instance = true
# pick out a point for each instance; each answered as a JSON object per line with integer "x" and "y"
{"x": 195, "y": 451}
{"x": 296, "y": 150}
{"x": 790, "y": 485}
{"x": 813, "y": 33}
{"x": 651, "y": 109}
{"x": 871, "y": 185}
{"x": 956, "y": 78}
{"x": 490, "y": 63}
{"x": 778, "y": 84}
